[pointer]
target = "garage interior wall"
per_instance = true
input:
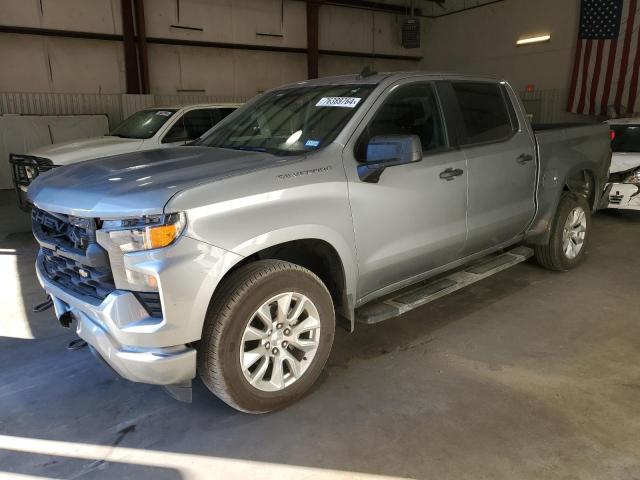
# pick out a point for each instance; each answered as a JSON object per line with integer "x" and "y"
{"x": 483, "y": 41}
{"x": 479, "y": 40}
{"x": 34, "y": 63}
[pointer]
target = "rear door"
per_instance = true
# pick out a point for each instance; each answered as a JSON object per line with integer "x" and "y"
{"x": 501, "y": 162}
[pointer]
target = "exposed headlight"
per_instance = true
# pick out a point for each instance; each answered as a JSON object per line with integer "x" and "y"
{"x": 32, "y": 172}
{"x": 146, "y": 233}
{"x": 634, "y": 177}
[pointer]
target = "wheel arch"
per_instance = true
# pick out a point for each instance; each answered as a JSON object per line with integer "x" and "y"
{"x": 582, "y": 181}
{"x": 325, "y": 254}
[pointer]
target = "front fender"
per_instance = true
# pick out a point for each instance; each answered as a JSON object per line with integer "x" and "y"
{"x": 308, "y": 232}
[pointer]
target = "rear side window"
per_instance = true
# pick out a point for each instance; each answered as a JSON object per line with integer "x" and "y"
{"x": 485, "y": 115}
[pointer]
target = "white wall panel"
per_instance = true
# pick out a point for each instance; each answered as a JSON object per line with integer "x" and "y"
{"x": 24, "y": 64}
{"x": 229, "y": 21}
{"x": 101, "y": 16}
{"x": 259, "y": 71}
{"x": 89, "y": 66}
{"x": 52, "y": 64}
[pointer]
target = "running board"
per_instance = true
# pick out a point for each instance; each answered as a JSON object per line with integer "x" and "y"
{"x": 427, "y": 291}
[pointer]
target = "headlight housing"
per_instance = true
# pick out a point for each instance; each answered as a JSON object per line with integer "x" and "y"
{"x": 31, "y": 172}
{"x": 146, "y": 233}
{"x": 634, "y": 177}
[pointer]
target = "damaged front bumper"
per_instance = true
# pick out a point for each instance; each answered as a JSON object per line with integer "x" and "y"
{"x": 96, "y": 320}
{"x": 624, "y": 196}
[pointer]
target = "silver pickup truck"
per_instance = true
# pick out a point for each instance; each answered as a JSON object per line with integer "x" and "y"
{"x": 340, "y": 200}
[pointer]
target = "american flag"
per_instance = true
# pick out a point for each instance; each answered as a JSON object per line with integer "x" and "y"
{"x": 607, "y": 61}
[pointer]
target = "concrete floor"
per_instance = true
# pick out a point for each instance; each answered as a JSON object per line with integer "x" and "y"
{"x": 529, "y": 374}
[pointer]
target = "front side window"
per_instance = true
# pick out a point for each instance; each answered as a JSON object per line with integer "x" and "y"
{"x": 290, "y": 121}
{"x": 485, "y": 117}
{"x": 225, "y": 112}
{"x": 196, "y": 122}
{"x": 143, "y": 124}
{"x": 626, "y": 139}
{"x": 409, "y": 110}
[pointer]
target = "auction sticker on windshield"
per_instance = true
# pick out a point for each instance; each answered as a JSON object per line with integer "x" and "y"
{"x": 344, "y": 102}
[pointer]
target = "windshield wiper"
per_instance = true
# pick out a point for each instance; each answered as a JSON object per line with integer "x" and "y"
{"x": 272, "y": 151}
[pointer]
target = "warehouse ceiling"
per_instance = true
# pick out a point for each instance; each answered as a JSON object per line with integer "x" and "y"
{"x": 425, "y": 8}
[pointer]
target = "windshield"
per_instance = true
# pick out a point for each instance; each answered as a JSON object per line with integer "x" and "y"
{"x": 143, "y": 124}
{"x": 627, "y": 138}
{"x": 290, "y": 121}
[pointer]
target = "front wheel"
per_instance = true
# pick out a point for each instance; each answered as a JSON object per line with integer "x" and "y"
{"x": 570, "y": 233}
{"x": 267, "y": 336}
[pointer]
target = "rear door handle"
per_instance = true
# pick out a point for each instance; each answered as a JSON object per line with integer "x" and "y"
{"x": 451, "y": 173}
{"x": 524, "y": 158}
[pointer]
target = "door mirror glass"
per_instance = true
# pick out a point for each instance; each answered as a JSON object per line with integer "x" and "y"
{"x": 388, "y": 151}
{"x": 394, "y": 149}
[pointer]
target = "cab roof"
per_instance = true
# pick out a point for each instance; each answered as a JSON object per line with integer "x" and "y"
{"x": 197, "y": 105}
{"x": 376, "y": 78}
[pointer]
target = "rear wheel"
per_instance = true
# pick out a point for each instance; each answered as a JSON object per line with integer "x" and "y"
{"x": 267, "y": 336}
{"x": 570, "y": 234}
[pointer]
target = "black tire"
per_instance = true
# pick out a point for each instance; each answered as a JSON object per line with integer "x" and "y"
{"x": 552, "y": 256}
{"x": 235, "y": 302}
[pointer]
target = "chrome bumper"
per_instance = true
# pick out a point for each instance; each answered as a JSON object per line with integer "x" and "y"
{"x": 97, "y": 322}
{"x": 624, "y": 196}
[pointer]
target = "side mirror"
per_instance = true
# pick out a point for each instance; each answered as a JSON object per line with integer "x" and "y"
{"x": 389, "y": 151}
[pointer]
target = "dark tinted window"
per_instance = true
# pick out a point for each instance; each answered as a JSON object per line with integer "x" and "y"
{"x": 409, "y": 110}
{"x": 484, "y": 112}
{"x": 196, "y": 122}
{"x": 225, "y": 112}
{"x": 177, "y": 133}
{"x": 627, "y": 138}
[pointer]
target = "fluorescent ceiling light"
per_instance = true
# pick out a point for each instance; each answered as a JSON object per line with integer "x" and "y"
{"x": 529, "y": 40}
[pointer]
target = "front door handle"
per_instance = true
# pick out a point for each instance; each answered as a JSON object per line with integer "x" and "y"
{"x": 451, "y": 173}
{"x": 524, "y": 159}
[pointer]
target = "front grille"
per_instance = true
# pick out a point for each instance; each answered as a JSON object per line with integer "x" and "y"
{"x": 26, "y": 168}
{"x": 616, "y": 199}
{"x": 69, "y": 233}
{"x": 72, "y": 259}
{"x": 72, "y": 275}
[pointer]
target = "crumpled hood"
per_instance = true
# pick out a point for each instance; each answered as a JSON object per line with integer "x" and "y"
{"x": 621, "y": 162}
{"x": 140, "y": 183}
{"x": 75, "y": 151}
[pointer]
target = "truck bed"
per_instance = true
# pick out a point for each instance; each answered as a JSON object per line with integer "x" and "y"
{"x": 567, "y": 151}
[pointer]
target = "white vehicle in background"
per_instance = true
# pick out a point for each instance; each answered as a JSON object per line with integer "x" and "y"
{"x": 144, "y": 130}
{"x": 625, "y": 164}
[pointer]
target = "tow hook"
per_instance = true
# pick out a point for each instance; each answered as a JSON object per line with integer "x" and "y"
{"x": 77, "y": 344}
{"x": 65, "y": 319}
{"x": 46, "y": 305}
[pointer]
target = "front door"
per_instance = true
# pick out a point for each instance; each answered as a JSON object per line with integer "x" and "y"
{"x": 414, "y": 218}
